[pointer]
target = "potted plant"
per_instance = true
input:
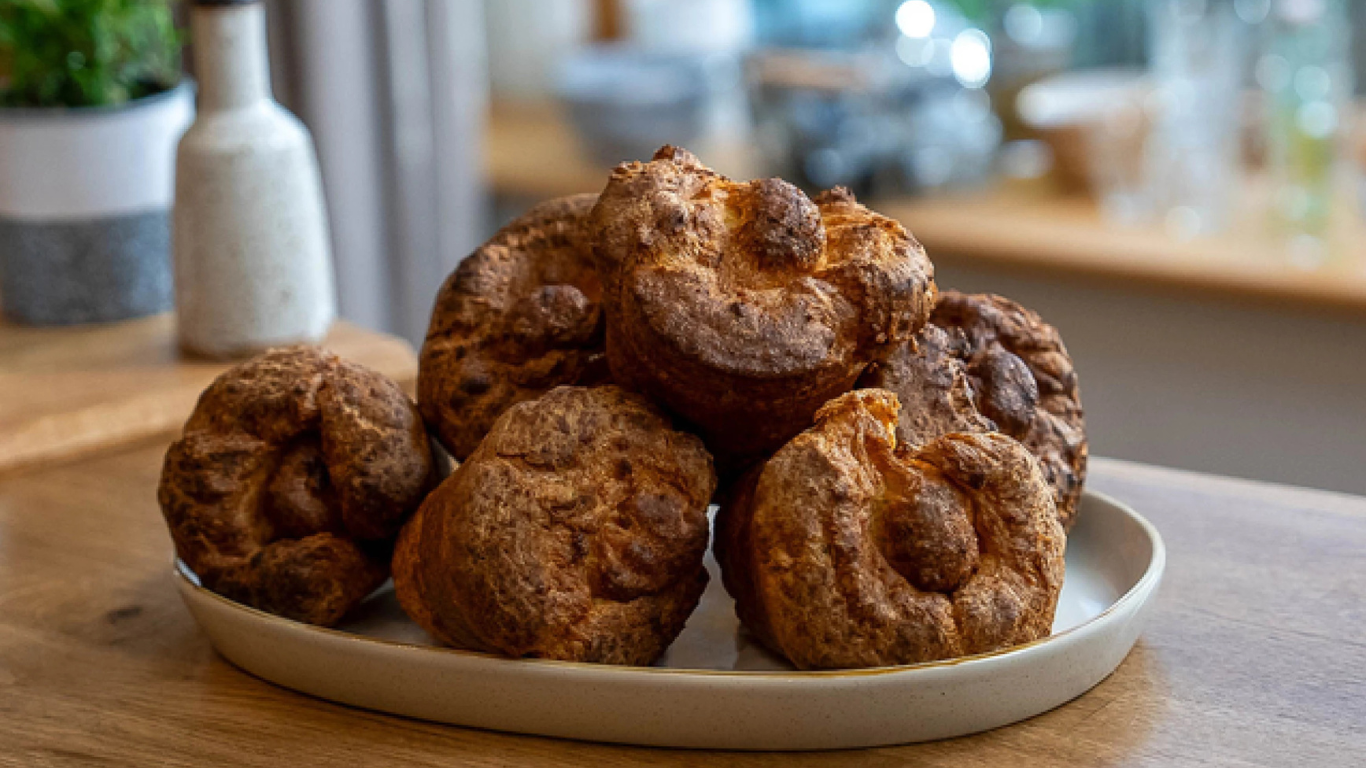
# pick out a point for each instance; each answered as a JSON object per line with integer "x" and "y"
{"x": 92, "y": 103}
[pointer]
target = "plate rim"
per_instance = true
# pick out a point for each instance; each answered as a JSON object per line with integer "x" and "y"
{"x": 187, "y": 580}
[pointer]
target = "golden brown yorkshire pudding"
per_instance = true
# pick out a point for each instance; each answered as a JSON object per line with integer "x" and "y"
{"x": 930, "y": 379}
{"x": 516, "y": 319}
{"x": 408, "y": 585}
{"x": 294, "y": 474}
{"x": 847, "y": 550}
{"x": 575, "y": 531}
{"x": 743, "y": 307}
{"x": 985, "y": 362}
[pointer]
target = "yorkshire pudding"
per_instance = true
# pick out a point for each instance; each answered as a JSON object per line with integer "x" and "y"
{"x": 408, "y": 584}
{"x": 846, "y": 549}
{"x": 985, "y": 362}
{"x": 743, "y": 307}
{"x": 575, "y": 531}
{"x": 294, "y": 474}
{"x": 516, "y": 319}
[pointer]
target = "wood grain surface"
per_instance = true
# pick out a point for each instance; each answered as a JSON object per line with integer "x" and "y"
{"x": 70, "y": 391}
{"x": 1255, "y": 656}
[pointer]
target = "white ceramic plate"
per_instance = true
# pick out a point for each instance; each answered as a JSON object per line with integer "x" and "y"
{"x": 715, "y": 688}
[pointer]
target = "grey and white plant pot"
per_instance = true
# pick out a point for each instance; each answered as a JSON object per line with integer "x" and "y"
{"x": 85, "y": 198}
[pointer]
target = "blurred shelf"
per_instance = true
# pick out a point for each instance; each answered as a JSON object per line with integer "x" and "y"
{"x": 1020, "y": 229}
{"x": 74, "y": 391}
{"x": 531, "y": 152}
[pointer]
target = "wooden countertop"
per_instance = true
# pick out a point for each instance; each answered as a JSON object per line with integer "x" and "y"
{"x": 1254, "y": 655}
{"x": 532, "y": 153}
{"x": 72, "y": 391}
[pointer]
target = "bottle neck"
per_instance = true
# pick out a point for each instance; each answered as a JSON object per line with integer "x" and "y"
{"x": 230, "y": 56}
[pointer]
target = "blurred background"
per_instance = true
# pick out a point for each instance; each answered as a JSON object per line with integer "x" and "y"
{"x": 1175, "y": 184}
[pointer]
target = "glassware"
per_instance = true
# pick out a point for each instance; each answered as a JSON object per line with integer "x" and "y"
{"x": 1193, "y": 153}
{"x": 1115, "y": 144}
{"x": 1306, "y": 75}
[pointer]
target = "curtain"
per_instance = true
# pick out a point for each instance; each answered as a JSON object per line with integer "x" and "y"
{"x": 395, "y": 93}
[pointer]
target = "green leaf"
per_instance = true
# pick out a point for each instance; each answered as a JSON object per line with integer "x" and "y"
{"x": 78, "y": 53}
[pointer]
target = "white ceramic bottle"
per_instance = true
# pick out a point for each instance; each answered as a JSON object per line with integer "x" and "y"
{"x": 253, "y": 267}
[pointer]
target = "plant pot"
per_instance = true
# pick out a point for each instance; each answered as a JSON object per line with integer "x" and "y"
{"x": 85, "y": 198}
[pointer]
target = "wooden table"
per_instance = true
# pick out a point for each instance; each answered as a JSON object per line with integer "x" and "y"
{"x": 1255, "y": 655}
{"x": 67, "y": 392}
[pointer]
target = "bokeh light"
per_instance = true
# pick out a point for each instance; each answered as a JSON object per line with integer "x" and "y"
{"x": 915, "y": 18}
{"x": 971, "y": 58}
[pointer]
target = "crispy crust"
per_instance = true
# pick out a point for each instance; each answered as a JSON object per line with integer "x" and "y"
{"x": 1017, "y": 373}
{"x": 845, "y": 550}
{"x": 932, "y": 384}
{"x": 516, "y": 319}
{"x": 743, "y": 307}
{"x": 575, "y": 531}
{"x": 408, "y": 584}
{"x": 292, "y": 477}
